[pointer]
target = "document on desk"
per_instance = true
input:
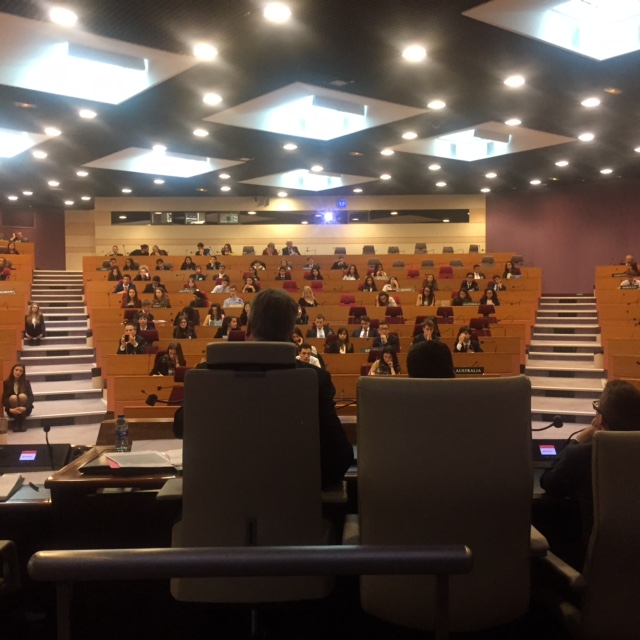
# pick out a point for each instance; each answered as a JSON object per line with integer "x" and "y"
{"x": 9, "y": 484}
{"x": 140, "y": 459}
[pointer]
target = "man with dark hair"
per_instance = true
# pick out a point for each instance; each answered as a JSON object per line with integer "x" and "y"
{"x": 384, "y": 338}
{"x": 365, "y": 330}
{"x": 470, "y": 283}
{"x": 430, "y": 359}
{"x": 124, "y": 284}
{"x": 131, "y": 343}
{"x": 155, "y": 283}
{"x": 428, "y": 332}
{"x": 319, "y": 329}
{"x": 142, "y": 251}
{"x": 201, "y": 251}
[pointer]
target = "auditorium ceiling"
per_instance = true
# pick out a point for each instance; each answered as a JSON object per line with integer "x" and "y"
{"x": 323, "y": 103}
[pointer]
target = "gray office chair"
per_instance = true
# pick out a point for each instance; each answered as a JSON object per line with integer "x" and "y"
{"x": 251, "y": 476}
{"x": 431, "y": 471}
{"x": 473, "y": 248}
{"x": 427, "y": 263}
{"x": 340, "y": 251}
{"x": 248, "y": 251}
{"x": 608, "y": 590}
{"x": 421, "y": 247}
{"x": 456, "y": 263}
{"x": 393, "y": 250}
{"x": 487, "y": 261}
{"x": 517, "y": 260}
{"x": 447, "y": 249}
{"x": 368, "y": 249}
{"x": 398, "y": 264}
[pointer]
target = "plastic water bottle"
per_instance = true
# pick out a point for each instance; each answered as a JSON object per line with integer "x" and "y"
{"x": 122, "y": 434}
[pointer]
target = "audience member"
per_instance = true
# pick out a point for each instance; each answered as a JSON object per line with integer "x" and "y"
{"x": 215, "y": 317}
{"x": 213, "y": 264}
{"x": 114, "y": 275}
{"x": 18, "y": 237}
{"x": 307, "y": 299}
{"x": 301, "y": 316}
{"x": 115, "y": 251}
{"x": 304, "y": 355}
{"x": 510, "y": 271}
{"x": 391, "y": 285}
{"x": 283, "y": 274}
{"x": 369, "y": 285}
{"x": 166, "y": 364}
{"x": 131, "y": 343}
{"x": 430, "y": 359}
{"x": 11, "y": 249}
{"x": 34, "y": 326}
{"x": 290, "y": 249}
{"x": 199, "y": 276}
{"x": 17, "y": 397}
{"x": 383, "y": 299}
{"x": 319, "y": 329}
{"x": 497, "y": 284}
{"x": 143, "y": 274}
{"x": 469, "y": 284}
{"x": 142, "y": 251}
{"x": 387, "y": 364}
{"x": 631, "y": 281}
{"x": 156, "y": 283}
{"x": 365, "y": 330}
{"x": 229, "y": 323}
{"x": 201, "y": 251}
{"x": 311, "y": 262}
{"x": 431, "y": 282}
{"x": 385, "y": 338}
{"x": 315, "y": 274}
{"x": 477, "y": 273}
{"x": 130, "y": 265}
{"x": 224, "y": 285}
{"x": 270, "y": 250}
{"x": 183, "y": 331}
{"x": 380, "y": 273}
{"x": 157, "y": 251}
{"x": 160, "y": 299}
{"x": 352, "y": 273}
{"x": 341, "y": 345}
{"x": 188, "y": 264}
{"x": 428, "y": 332}
{"x": 233, "y": 300}
{"x": 130, "y": 299}
{"x": 490, "y": 297}
{"x": 461, "y": 299}
{"x": 227, "y": 250}
{"x": 124, "y": 285}
{"x": 426, "y": 298}
{"x": 340, "y": 264}
{"x": 465, "y": 343}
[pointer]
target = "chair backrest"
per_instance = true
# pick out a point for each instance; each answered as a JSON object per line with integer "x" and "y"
{"x": 372, "y": 263}
{"x": 248, "y": 251}
{"x": 393, "y": 311}
{"x": 290, "y": 285}
{"x": 421, "y": 247}
{"x": 129, "y": 314}
{"x": 456, "y": 263}
{"x": 612, "y": 566}
{"x": 413, "y": 273}
{"x": 340, "y": 251}
{"x": 237, "y": 335}
{"x": 168, "y": 266}
{"x": 263, "y": 507}
{"x": 394, "y": 319}
{"x": 423, "y": 479}
{"x": 427, "y": 263}
{"x": 444, "y": 312}
{"x": 393, "y": 250}
{"x": 517, "y": 260}
{"x": 487, "y": 261}
{"x": 397, "y": 264}
{"x": 347, "y": 298}
{"x": 473, "y": 248}
{"x": 150, "y": 335}
{"x": 486, "y": 309}
{"x": 317, "y": 285}
{"x": 368, "y": 249}
{"x": 447, "y": 249}
{"x": 445, "y": 272}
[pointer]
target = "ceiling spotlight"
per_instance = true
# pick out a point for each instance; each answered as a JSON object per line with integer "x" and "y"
{"x": 414, "y": 53}
{"x": 82, "y": 174}
{"x": 251, "y": 213}
{"x": 225, "y": 188}
{"x": 394, "y": 213}
{"x": 485, "y": 190}
{"x": 441, "y": 184}
{"x": 63, "y": 16}
{"x": 87, "y": 114}
{"x": 491, "y": 175}
{"x": 637, "y": 149}
{"x": 586, "y": 137}
{"x": 410, "y": 135}
{"x": 53, "y": 183}
{"x": 200, "y": 133}
{"x": 317, "y": 168}
{"x": 357, "y": 190}
{"x": 27, "y": 193}
{"x": 122, "y": 217}
{"x": 535, "y": 182}
{"x": 224, "y": 176}
{"x": 69, "y": 202}
{"x": 514, "y": 81}
{"x": 12, "y": 197}
{"x": 212, "y": 99}
{"x": 159, "y": 148}
{"x": 513, "y": 122}
{"x": 304, "y": 222}
{"x": 606, "y": 171}
{"x": 40, "y": 155}
{"x": 52, "y": 131}
{"x": 158, "y": 181}
{"x": 436, "y": 104}
{"x": 290, "y": 146}
{"x": 282, "y": 194}
{"x": 387, "y": 152}
{"x": 562, "y": 163}
{"x": 445, "y": 220}
{"x": 204, "y": 51}
{"x": 127, "y": 190}
{"x": 385, "y": 176}
{"x": 277, "y": 12}
{"x": 590, "y": 102}
{"x": 85, "y": 198}
{"x": 434, "y": 167}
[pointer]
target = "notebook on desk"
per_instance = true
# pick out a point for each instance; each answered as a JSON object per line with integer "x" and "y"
{"x": 103, "y": 465}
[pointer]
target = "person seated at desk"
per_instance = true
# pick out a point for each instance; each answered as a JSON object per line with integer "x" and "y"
{"x": 160, "y": 300}
{"x": 310, "y": 264}
{"x": 124, "y": 285}
{"x": 226, "y": 250}
{"x": 290, "y": 249}
{"x": 143, "y": 274}
{"x": 631, "y": 263}
{"x": 383, "y": 299}
{"x": 130, "y": 265}
{"x": 465, "y": 343}
{"x": 201, "y": 251}
{"x": 224, "y": 286}
{"x": 142, "y": 251}
{"x": 270, "y": 250}
{"x": 385, "y": 338}
{"x": 130, "y": 300}
{"x": 319, "y": 329}
{"x": 18, "y": 237}
{"x": 497, "y": 284}
{"x": 490, "y": 297}
{"x": 257, "y": 265}
{"x": 115, "y": 275}
{"x": 11, "y": 249}
{"x": 244, "y": 316}
{"x": 188, "y": 264}
{"x": 160, "y": 266}
{"x": 250, "y": 285}
{"x": 570, "y": 476}
{"x": 369, "y": 285}
{"x": 426, "y": 298}
{"x": 233, "y": 300}
{"x": 477, "y": 274}
{"x": 430, "y": 359}
{"x": 431, "y": 282}
{"x": 183, "y": 331}
{"x": 307, "y": 299}
{"x": 510, "y": 271}
{"x": 352, "y": 273}
{"x": 469, "y": 284}
{"x": 315, "y": 274}
{"x": 285, "y": 264}
{"x": 302, "y": 317}
{"x": 341, "y": 345}
{"x": 229, "y": 323}
{"x": 199, "y": 300}
{"x": 131, "y": 343}
{"x": 392, "y": 285}
{"x": 166, "y": 364}
{"x": 215, "y": 316}
{"x": 380, "y": 273}
{"x": 198, "y": 275}
{"x": 340, "y": 264}
{"x": 143, "y": 323}
{"x": 213, "y": 264}
{"x": 145, "y": 311}
{"x": 461, "y": 299}
{"x": 365, "y": 330}
{"x": 156, "y": 283}
{"x": 17, "y": 397}
{"x": 304, "y": 355}
{"x": 428, "y": 332}
{"x": 387, "y": 364}
{"x": 115, "y": 251}
{"x": 631, "y": 281}
{"x": 283, "y": 274}
{"x": 157, "y": 251}
{"x": 190, "y": 286}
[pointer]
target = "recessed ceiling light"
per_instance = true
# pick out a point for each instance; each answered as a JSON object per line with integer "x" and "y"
{"x": 394, "y": 213}
{"x": 251, "y": 213}
{"x": 434, "y": 167}
{"x": 387, "y": 152}
{"x": 158, "y": 181}
{"x": 52, "y": 131}
{"x": 445, "y": 220}
{"x": 127, "y": 190}
{"x": 122, "y": 217}
{"x": 201, "y": 190}
{"x": 53, "y": 183}
{"x": 441, "y": 184}
{"x": 436, "y": 104}
{"x": 535, "y": 182}
{"x": 485, "y": 190}
{"x": 590, "y": 102}
{"x": 357, "y": 154}
{"x": 69, "y": 202}
{"x": 290, "y": 146}
{"x": 613, "y": 91}
{"x": 637, "y": 149}
{"x": 12, "y": 197}
{"x": 491, "y": 175}
{"x": 212, "y": 99}
{"x": 87, "y": 114}
{"x": 606, "y": 171}
{"x": 317, "y": 168}
{"x": 27, "y": 193}
{"x": 225, "y": 188}
{"x": 204, "y": 51}
{"x": 82, "y": 174}
{"x": 277, "y": 12}
{"x": 224, "y": 176}
{"x": 410, "y": 135}
{"x": 357, "y": 190}
{"x": 159, "y": 148}
{"x": 304, "y": 222}
{"x": 513, "y": 122}
{"x": 586, "y": 137}
{"x": 282, "y": 194}
{"x": 414, "y": 53}
{"x": 385, "y": 176}
{"x": 514, "y": 81}
{"x": 200, "y": 133}
{"x": 63, "y": 16}
{"x": 85, "y": 198}
{"x": 40, "y": 155}
{"x": 562, "y": 163}
{"x": 355, "y": 219}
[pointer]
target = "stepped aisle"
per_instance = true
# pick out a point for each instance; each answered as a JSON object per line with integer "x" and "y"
{"x": 60, "y": 367}
{"x": 560, "y": 364}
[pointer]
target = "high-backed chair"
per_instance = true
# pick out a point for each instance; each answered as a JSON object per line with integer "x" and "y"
{"x": 393, "y": 250}
{"x": 487, "y": 261}
{"x": 398, "y": 264}
{"x": 413, "y": 273}
{"x": 368, "y": 249}
{"x": 517, "y": 260}
{"x": 421, "y": 247}
{"x": 340, "y": 251}
{"x": 447, "y": 249}
{"x": 609, "y": 587}
{"x": 473, "y": 248}
{"x": 445, "y": 272}
{"x": 427, "y": 263}
{"x": 347, "y": 298}
{"x": 441, "y": 474}
{"x": 456, "y": 263}
{"x": 317, "y": 285}
{"x": 290, "y": 285}
{"x": 248, "y": 251}
{"x": 262, "y": 451}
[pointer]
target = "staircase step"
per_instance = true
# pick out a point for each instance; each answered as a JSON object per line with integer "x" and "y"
{"x": 51, "y": 340}
{"x": 566, "y": 321}
{"x": 560, "y": 357}
{"x": 561, "y": 369}
{"x": 564, "y": 330}
{"x": 67, "y": 394}
{"x": 568, "y": 300}
{"x": 66, "y": 324}
{"x": 61, "y": 373}
{"x": 591, "y": 385}
{"x": 571, "y": 410}
{"x": 52, "y": 386}
{"x": 46, "y": 297}
{"x": 560, "y": 346}
{"x": 79, "y": 411}
{"x": 38, "y": 360}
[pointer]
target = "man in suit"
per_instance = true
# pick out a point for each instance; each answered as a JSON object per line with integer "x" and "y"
{"x": 124, "y": 284}
{"x": 385, "y": 338}
{"x": 290, "y": 250}
{"x": 153, "y": 285}
{"x": 465, "y": 343}
{"x": 340, "y": 264}
{"x": 114, "y": 251}
{"x": 497, "y": 284}
{"x": 319, "y": 329}
{"x": 470, "y": 283}
{"x": 477, "y": 274}
{"x": 365, "y": 330}
{"x": 130, "y": 342}
{"x": 428, "y": 332}
{"x": 142, "y": 251}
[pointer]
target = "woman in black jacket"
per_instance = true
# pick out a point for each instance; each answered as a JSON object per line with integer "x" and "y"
{"x": 17, "y": 397}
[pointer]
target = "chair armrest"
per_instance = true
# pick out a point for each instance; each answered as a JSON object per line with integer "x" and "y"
{"x": 539, "y": 544}
{"x": 9, "y": 570}
{"x": 351, "y": 529}
{"x": 171, "y": 490}
{"x": 572, "y": 578}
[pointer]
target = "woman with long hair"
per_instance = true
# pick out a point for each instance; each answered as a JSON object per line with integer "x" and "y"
{"x": 17, "y": 397}
{"x": 387, "y": 364}
{"x": 166, "y": 364}
{"x": 11, "y": 248}
{"x": 380, "y": 273}
{"x": 215, "y": 317}
{"x": 307, "y": 299}
{"x": 190, "y": 287}
{"x": 430, "y": 281}
{"x": 244, "y": 316}
{"x": 426, "y": 298}
{"x": 369, "y": 284}
{"x": 34, "y": 327}
{"x": 115, "y": 275}
{"x": 130, "y": 299}
{"x": 183, "y": 331}
{"x": 392, "y": 285}
{"x": 352, "y": 273}
{"x": 461, "y": 299}
{"x": 383, "y": 299}
{"x": 188, "y": 264}
{"x": 510, "y": 271}
{"x": 250, "y": 285}
{"x": 229, "y": 324}
{"x": 302, "y": 317}
{"x": 315, "y": 274}
{"x": 490, "y": 297}
{"x": 160, "y": 300}
{"x": 227, "y": 250}
{"x": 341, "y": 345}
{"x": 129, "y": 265}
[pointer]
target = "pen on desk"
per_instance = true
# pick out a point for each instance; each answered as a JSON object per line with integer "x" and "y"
{"x": 35, "y": 487}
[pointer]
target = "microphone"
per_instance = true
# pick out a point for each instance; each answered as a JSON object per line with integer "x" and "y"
{"x": 556, "y": 422}
{"x": 46, "y": 429}
{"x": 152, "y": 398}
